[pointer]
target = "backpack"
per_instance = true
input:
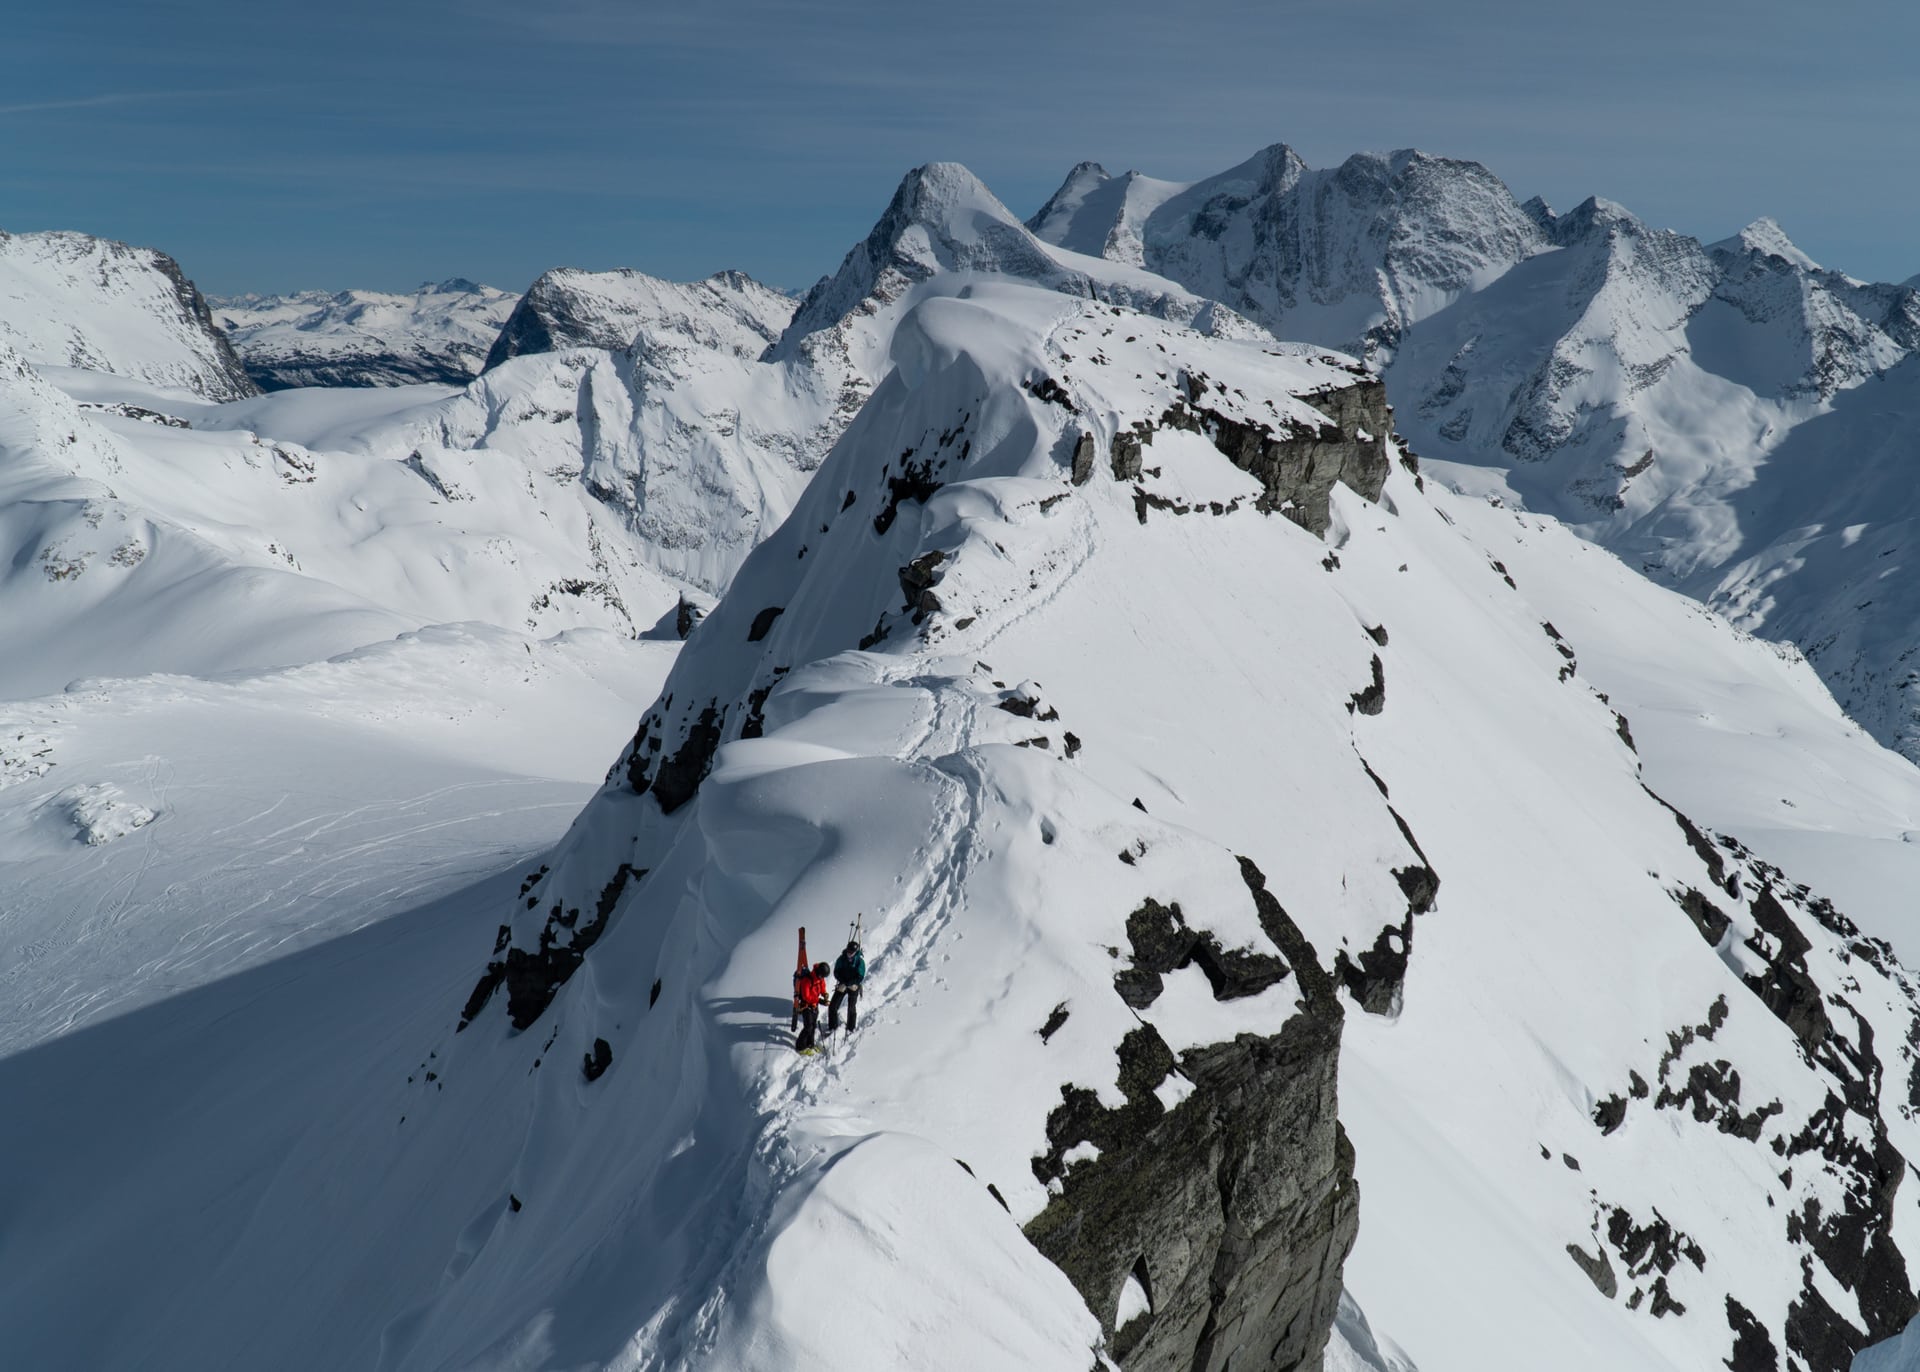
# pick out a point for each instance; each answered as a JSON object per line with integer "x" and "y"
{"x": 851, "y": 968}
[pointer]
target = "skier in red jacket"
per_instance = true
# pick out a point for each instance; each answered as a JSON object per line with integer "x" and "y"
{"x": 809, "y": 989}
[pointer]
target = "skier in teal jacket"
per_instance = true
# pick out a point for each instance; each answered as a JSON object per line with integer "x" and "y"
{"x": 849, "y": 973}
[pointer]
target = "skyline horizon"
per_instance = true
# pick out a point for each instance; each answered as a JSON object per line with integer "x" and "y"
{"x": 375, "y": 144}
{"x": 396, "y": 285}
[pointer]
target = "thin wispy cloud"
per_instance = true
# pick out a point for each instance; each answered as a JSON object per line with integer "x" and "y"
{"x": 107, "y": 98}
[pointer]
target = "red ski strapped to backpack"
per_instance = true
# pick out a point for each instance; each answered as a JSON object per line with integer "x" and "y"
{"x": 802, "y": 970}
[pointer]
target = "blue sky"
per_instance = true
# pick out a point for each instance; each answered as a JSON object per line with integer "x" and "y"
{"x": 272, "y": 146}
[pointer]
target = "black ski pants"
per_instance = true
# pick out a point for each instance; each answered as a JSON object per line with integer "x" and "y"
{"x": 849, "y": 991}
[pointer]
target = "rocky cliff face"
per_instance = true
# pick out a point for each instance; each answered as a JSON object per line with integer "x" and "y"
{"x": 95, "y": 304}
{"x": 1230, "y": 1214}
{"x": 1298, "y": 471}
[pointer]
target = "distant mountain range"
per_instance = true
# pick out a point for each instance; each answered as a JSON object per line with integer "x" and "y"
{"x": 1730, "y": 417}
{"x": 439, "y": 333}
{"x": 1681, "y": 403}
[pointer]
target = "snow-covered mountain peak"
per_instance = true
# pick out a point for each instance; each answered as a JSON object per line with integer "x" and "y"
{"x": 73, "y": 300}
{"x": 1349, "y": 256}
{"x": 1540, "y": 212}
{"x": 1766, "y": 237}
{"x": 941, "y": 218}
{"x": 570, "y": 308}
{"x": 1596, "y": 215}
{"x": 1053, "y": 221}
{"x": 1101, "y": 215}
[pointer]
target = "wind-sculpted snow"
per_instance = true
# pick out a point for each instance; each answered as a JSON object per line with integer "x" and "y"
{"x": 72, "y": 300}
{"x": 439, "y": 334}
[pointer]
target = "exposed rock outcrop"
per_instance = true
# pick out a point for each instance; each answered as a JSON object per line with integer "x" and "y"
{"x": 1238, "y": 1204}
{"x": 1297, "y": 470}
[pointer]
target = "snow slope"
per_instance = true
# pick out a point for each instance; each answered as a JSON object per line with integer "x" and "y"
{"x": 282, "y": 809}
{"x": 940, "y": 712}
{"x": 73, "y": 300}
{"x": 136, "y": 539}
{"x": 1739, "y": 732}
{"x": 437, "y": 334}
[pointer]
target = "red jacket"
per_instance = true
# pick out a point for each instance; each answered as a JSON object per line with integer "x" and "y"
{"x": 812, "y": 989}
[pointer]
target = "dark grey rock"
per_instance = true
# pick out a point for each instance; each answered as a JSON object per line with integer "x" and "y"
{"x": 533, "y": 978}
{"x": 1298, "y": 469}
{"x": 1372, "y": 698}
{"x": 1083, "y": 455}
{"x": 675, "y": 777}
{"x": 917, "y": 580}
{"x": 1376, "y": 979}
{"x": 1238, "y": 1205}
{"x": 1753, "y": 1349}
{"x": 763, "y": 622}
{"x": 1599, "y": 1271}
{"x": 1707, "y": 917}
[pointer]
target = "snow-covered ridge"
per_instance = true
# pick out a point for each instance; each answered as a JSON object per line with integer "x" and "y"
{"x": 906, "y": 705}
{"x": 73, "y": 300}
{"x": 438, "y": 333}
